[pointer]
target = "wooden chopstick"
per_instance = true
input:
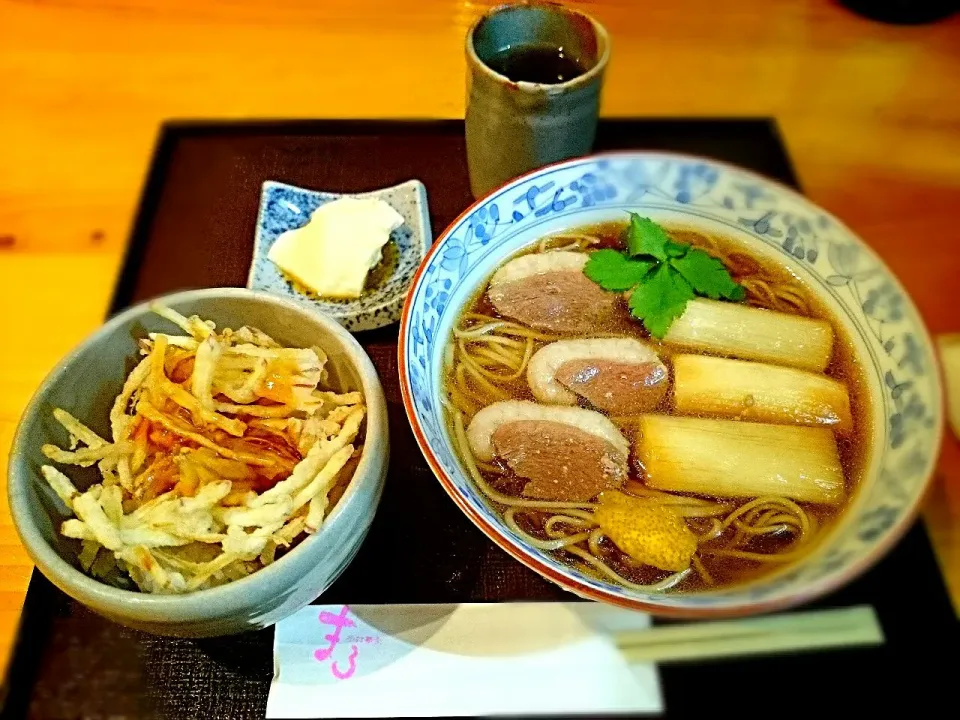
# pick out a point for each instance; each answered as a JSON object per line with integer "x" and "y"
{"x": 811, "y": 630}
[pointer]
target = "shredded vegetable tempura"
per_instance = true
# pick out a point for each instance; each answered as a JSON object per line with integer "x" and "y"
{"x": 224, "y": 451}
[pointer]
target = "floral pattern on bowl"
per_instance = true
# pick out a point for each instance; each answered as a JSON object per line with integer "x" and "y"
{"x": 871, "y": 306}
{"x": 286, "y": 207}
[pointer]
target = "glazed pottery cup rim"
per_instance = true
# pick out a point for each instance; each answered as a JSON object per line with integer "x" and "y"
{"x": 592, "y": 73}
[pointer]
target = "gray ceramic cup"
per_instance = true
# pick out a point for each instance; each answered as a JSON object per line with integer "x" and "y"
{"x": 514, "y": 127}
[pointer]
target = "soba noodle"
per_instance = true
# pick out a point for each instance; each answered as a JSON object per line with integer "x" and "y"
{"x": 488, "y": 363}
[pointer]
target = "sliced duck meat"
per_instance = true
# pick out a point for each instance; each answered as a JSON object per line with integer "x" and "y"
{"x": 485, "y": 423}
{"x": 549, "y": 291}
{"x": 618, "y": 387}
{"x": 619, "y": 375}
{"x": 562, "y": 462}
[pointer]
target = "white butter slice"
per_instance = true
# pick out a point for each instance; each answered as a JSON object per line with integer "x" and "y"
{"x": 332, "y": 254}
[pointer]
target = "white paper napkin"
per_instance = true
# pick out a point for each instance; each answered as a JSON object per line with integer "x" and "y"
{"x": 470, "y": 659}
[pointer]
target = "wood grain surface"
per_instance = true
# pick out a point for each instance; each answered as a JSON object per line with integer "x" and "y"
{"x": 870, "y": 113}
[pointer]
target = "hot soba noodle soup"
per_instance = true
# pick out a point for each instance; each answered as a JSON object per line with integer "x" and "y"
{"x": 657, "y": 407}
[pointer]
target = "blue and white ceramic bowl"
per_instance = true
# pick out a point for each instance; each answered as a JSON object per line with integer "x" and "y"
{"x": 888, "y": 334}
{"x": 287, "y": 207}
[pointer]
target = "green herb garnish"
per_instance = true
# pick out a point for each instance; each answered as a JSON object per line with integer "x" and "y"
{"x": 645, "y": 237}
{"x": 662, "y": 273}
{"x": 660, "y": 299}
{"x": 612, "y": 270}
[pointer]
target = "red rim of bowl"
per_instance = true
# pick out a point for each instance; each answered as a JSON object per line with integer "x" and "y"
{"x": 815, "y": 590}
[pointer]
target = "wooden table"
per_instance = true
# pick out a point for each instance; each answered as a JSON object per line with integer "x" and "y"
{"x": 871, "y": 114}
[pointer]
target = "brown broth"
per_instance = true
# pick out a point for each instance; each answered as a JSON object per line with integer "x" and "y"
{"x": 853, "y": 449}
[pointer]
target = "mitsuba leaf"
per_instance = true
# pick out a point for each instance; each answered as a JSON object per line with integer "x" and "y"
{"x": 612, "y": 270}
{"x": 660, "y": 299}
{"x": 707, "y": 275}
{"x": 645, "y": 237}
{"x": 662, "y": 273}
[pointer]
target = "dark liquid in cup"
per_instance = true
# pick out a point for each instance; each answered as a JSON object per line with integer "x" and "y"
{"x": 536, "y": 64}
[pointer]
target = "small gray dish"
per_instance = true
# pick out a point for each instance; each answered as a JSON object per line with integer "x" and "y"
{"x": 286, "y": 207}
